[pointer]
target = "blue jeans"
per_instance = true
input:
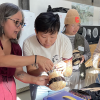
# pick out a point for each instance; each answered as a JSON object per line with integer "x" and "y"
{"x": 39, "y": 92}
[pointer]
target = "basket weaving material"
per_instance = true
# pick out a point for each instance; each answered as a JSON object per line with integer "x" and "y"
{"x": 56, "y": 81}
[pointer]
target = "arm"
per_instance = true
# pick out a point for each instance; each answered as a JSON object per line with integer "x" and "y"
{"x": 32, "y": 70}
{"x": 87, "y": 53}
{"x": 26, "y": 78}
{"x": 16, "y": 61}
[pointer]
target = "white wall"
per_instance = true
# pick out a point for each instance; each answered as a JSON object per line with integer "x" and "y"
{"x": 10, "y": 1}
{"x": 38, "y": 6}
{"x": 96, "y": 17}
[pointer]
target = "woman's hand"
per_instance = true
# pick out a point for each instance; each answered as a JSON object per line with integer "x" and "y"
{"x": 61, "y": 66}
{"x": 42, "y": 80}
{"x": 45, "y": 63}
{"x": 82, "y": 59}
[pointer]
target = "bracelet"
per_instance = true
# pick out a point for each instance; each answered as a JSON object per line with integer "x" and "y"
{"x": 35, "y": 59}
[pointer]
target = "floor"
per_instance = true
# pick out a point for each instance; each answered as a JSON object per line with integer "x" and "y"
{"x": 24, "y": 95}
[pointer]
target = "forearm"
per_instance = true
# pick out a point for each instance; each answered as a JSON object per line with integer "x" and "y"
{"x": 15, "y": 61}
{"x": 35, "y": 72}
{"x": 87, "y": 53}
{"x": 26, "y": 78}
{"x": 87, "y": 56}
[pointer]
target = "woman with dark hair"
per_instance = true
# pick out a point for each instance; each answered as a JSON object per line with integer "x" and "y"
{"x": 48, "y": 43}
{"x": 11, "y": 60}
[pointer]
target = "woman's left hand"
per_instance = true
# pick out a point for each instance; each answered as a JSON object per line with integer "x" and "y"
{"x": 61, "y": 66}
{"x": 82, "y": 59}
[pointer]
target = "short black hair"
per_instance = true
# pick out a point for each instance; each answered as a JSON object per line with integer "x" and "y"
{"x": 47, "y": 22}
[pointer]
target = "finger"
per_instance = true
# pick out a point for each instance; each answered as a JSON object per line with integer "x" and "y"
{"x": 45, "y": 77}
{"x": 48, "y": 68}
{"x": 51, "y": 65}
{"x": 46, "y": 82}
{"x": 61, "y": 69}
{"x": 60, "y": 66}
{"x": 44, "y": 69}
{"x": 82, "y": 61}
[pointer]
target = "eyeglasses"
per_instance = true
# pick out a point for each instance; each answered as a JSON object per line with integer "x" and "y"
{"x": 17, "y": 23}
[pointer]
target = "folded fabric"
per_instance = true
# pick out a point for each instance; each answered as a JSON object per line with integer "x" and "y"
{"x": 81, "y": 94}
{"x": 95, "y": 95}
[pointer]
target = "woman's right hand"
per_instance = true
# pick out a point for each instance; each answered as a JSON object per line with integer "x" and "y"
{"x": 45, "y": 63}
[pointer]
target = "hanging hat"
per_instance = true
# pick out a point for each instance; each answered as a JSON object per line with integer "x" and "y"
{"x": 72, "y": 17}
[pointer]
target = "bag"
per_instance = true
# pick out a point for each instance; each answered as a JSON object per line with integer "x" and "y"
{"x": 60, "y": 9}
{"x": 81, "y": 94}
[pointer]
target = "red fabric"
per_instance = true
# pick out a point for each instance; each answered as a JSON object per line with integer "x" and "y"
{"x": 7, "y": 83}
{"x": 15, "y": 50}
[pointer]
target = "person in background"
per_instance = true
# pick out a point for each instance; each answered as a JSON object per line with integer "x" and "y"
{"x": 48, "y": 43}
{"x": 11, "y": 59}
{"x": 96, "y": 57}
{"x": 72, "y": 25}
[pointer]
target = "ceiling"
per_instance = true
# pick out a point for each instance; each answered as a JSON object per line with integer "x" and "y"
{"x": 88, "y": 2}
